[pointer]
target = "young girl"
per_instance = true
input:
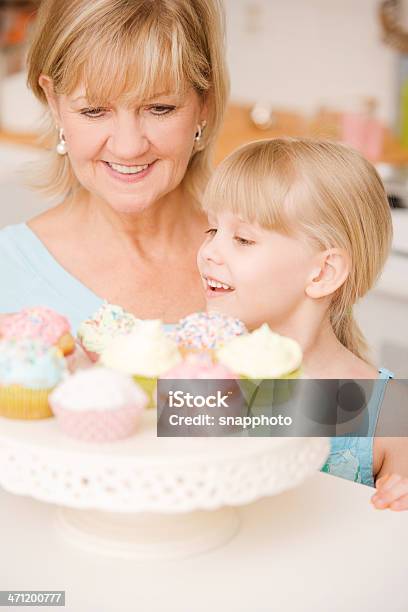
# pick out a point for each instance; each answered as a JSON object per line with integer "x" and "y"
{"x": 299, "y": 231}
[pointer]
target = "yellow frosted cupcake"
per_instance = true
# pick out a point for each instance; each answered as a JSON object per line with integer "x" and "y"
{"x": 29, "y": 371}
{"x": 263, "y": 354}
{"x": 145, "y": 353}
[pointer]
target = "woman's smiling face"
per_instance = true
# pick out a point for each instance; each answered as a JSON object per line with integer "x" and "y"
{"x": 129, "y": 157}
{"x": 263, "y": 273}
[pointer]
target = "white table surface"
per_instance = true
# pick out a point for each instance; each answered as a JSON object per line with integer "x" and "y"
{"x": 320, "y": 547}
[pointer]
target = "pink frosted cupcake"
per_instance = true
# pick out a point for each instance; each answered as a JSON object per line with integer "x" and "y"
{"x": 214, "y": 378}
{"x": 39, "y": 323}
{"x": 198, "y": 366}
{"x": 98, "y": 405}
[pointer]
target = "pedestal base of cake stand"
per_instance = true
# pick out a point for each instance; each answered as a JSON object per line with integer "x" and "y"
{"x": 144, "y": 536}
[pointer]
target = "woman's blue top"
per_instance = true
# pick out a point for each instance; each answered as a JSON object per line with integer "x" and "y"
{"x": 30, "y": 276}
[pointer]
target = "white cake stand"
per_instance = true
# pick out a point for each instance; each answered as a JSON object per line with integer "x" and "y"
{"x": 149, "y": 497}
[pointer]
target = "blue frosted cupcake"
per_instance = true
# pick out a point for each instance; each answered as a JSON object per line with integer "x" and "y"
{"x": 29, "y": 371}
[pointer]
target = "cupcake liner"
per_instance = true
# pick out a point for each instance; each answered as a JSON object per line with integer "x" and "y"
{"x": 149, "y": 385}
{"x": 66, "y": 344}
{"x": 71, "y": 361}
{"x": 99, "y": 425}
{"x": 278, "y": 392}
{"x": 186, "y": 351}
{"x": 17, "y": 402}
{"x": 93, "y": 356}
{"x": 295, "y": 374}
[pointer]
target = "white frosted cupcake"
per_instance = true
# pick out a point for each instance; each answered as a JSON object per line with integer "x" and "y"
{"x": 145, "y": 353}
{"x": 107, "y": 323}
{"x": 98, "y": 405}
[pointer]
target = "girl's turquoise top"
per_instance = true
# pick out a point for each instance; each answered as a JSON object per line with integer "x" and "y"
{"x": 30, "y": 276}
{"x": 351, "y": 457}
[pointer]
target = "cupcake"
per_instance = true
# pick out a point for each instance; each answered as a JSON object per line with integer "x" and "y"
{"x": 39, "y": 323}
{"x": 145, "y": 353}
{"x": 206, "y": 331}
{"x": 98, "y": 405}
{"x": 198, "y": 375}
{"x": 199, "y": 366}
{"x": 107, "y": 323}
{"x": 29, "y": 371}
{"x": 262, "y": 354}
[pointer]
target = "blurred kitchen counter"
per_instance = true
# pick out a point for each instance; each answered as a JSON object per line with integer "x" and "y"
{"x": 14, "y": 138}
{"x": 239, "y": 128}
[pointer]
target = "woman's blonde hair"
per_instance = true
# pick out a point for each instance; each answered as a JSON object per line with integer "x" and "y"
{"x": 325, "y": 191}
{"x": 128, "y": 52}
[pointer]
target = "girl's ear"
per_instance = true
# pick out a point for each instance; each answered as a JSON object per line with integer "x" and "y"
{"x": 47, "y": 86}
{"x": 330, "y": 272}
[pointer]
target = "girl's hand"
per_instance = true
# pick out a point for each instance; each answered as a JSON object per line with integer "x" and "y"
{"x": 392, "y": 493}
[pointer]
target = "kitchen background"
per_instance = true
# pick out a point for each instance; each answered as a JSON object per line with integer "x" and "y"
{"x": 335, "y": 68}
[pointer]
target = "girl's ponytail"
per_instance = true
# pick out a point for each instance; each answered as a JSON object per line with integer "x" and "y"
{"x": 350, "y": 335}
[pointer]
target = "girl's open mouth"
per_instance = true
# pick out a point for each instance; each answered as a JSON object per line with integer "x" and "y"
{"x": 215, "y": 287}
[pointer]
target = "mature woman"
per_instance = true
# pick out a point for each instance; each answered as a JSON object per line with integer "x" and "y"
{"x": 135, "y": 94}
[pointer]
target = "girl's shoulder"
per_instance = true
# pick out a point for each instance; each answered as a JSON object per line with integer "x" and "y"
{"x": 351, "y": 366}
{"x": 357, "y": 367}
{"x": 339, "y": 362}
{"x": 361, "y": 370}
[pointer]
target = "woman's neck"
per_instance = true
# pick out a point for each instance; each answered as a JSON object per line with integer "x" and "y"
{"x": 171, "y": 220}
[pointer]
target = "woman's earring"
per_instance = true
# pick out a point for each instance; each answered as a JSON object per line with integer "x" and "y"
{"x": 199, "y": 132}
{"x": 62, "y": 143}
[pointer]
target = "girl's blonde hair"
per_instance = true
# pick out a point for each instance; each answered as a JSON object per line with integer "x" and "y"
{"x": 128, "y": 52}
{"x": 323, "y": 190}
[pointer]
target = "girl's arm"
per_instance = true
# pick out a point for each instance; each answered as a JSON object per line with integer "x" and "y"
{"x": 392, "y": 491}
{"x": 391, "y": 453}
